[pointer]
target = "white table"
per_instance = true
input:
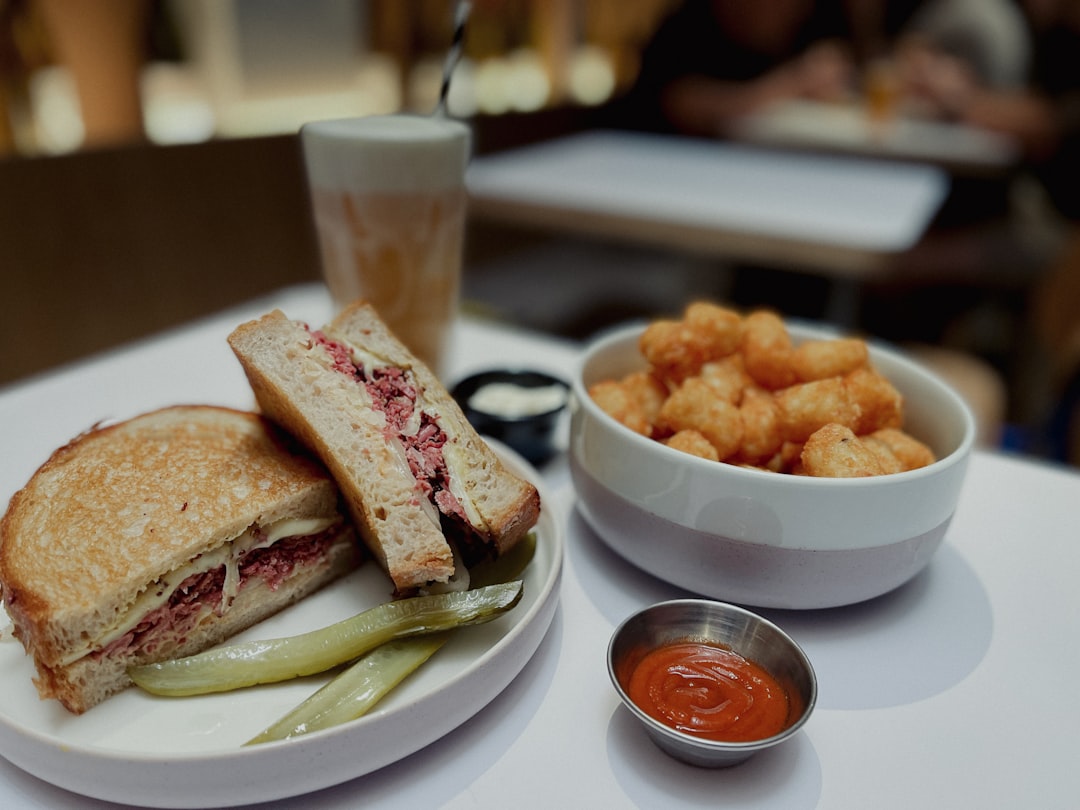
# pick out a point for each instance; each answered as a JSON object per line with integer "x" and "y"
{"x": 841, "y": 217}
{"x": 957, "y": 690}
{"x": 846, "y": 129}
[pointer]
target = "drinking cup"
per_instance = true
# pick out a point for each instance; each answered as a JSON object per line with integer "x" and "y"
{"x": 388, "y": 201}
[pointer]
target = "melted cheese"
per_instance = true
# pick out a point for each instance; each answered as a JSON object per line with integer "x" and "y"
{"x": 228, "y": 554}
{"x": 457, "y": 462}
{"x": 456, "y": 459}
{"x": 369, "y": 362}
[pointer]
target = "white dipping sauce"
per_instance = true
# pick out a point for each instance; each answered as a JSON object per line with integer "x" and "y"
{"x": 515, "y": 401}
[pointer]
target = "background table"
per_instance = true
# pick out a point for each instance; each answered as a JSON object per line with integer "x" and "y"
{"x": 846, "y": 129}
{"x": 842, "y": 217}
{"x": 956, "y": 690}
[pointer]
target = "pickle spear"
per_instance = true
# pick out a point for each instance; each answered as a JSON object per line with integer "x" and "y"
{"x": 244, "y": 664}
{"x": 356, "y": 690}
{"x": 352, "y": 693}
{"x": 507, "y": 566}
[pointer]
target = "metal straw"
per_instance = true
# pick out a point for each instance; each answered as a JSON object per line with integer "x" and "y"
{"x": 461, "y": 17}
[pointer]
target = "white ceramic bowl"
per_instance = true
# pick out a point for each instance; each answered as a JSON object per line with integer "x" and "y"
{"x": 759, "y": 538}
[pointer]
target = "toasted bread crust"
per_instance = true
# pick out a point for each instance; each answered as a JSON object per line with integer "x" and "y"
{"x": 508, "y": 505}
{"x": 87, "y": 682}
{"x": 120, "y": 506}
{"x": 295, "y": 383}
{"x": 295, "y": 386}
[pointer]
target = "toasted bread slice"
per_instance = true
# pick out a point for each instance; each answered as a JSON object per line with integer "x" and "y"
{"x": 124, "y": 520}
{"x": 413, "y": 470}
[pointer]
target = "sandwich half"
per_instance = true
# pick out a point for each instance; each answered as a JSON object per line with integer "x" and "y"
{"x": 159, "y": 537}
{"x": 420, "y": 483}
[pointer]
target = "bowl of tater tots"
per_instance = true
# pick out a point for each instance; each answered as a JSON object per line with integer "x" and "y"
{"x": 763, "y": 462}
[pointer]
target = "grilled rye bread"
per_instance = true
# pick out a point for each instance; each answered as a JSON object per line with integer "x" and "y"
{"x": 416, "y": 476}
{"x": 161, "y": 536}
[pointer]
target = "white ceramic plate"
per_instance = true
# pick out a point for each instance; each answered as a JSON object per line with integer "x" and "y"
{"x": 163, "y": 752}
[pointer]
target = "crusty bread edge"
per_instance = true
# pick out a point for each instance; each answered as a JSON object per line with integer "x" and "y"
{"x": 89, "y": 681}
{"x": 281, "y": 396}
{"x": 47, "y": 635}
{"x": 511, "y": 507}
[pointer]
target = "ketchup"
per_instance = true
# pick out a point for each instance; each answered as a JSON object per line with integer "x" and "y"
{"x": 710, "y": 692}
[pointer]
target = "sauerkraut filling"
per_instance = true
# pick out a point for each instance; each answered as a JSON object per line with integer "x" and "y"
{"x": 394, "y": 393}
{"x": 212, "y": 591}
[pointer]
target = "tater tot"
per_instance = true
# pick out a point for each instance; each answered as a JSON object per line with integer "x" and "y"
{"x": 717, "y": 327}
{"x": 678, "y": 349}
{"x": 790, "y": 454}
{"x": 762, "y": 435}
{"x": 806, "y": 407}
{"x": 670, "y": 349}
{"x": 622, "y": 403}
{"x": 766, "y": 349}
{"x": 673, "y": 350}
{"x": 647, "y": 391}
{"x": 880, "y": 404}
{"x": 694, "y": 406}
{"x": 728, "y": 377}
{"x": 692, "y": 442}
{"x": 773, "y": 464}
{"x": 909, "y": 451}
{"x": 735, "y": 389}
{"x": 785, "y": 459}
{"x": 834, "y": 451}
{"x": 884, "y": 454}
{"x": 819, "y": 359}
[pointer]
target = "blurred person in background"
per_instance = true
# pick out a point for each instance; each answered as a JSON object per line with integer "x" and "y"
{"x": 1047, "y": 119}
{"x": 1033, "y": 98}
{"x": 712, "y": 62}
{"x": 1042, "y": 114}
{"x": 962, "y": 43}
